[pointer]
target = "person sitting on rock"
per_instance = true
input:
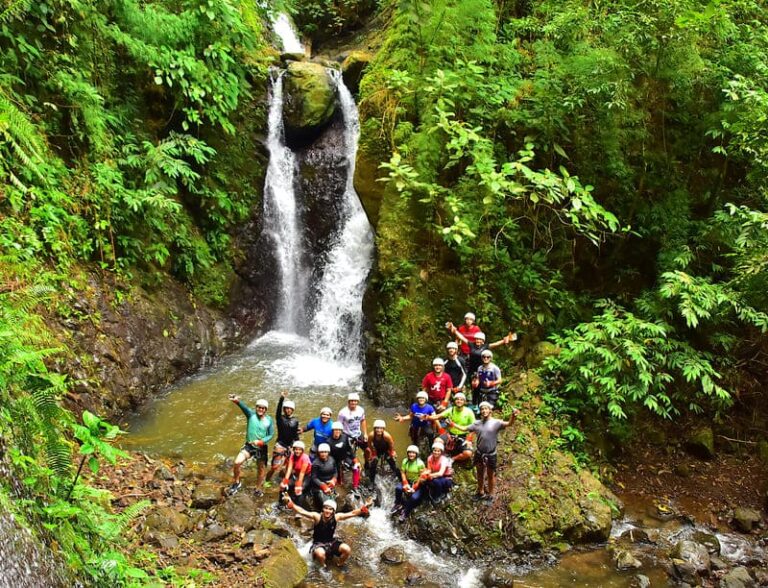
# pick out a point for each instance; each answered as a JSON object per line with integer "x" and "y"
{"x": 298, "y": 474}
{"x": 468, "y": 330}
{"x": 287, "y": 433}
{"x": 259, "y": 431}
{"x": 487, "y": 429}
{"x": 321, "y": 426}
{"x": 343, "y": 453}
{"x": 434, "y": 481}
{"x": 323, "y": 479}
{"x": 325, "y": 544}
{"x": 489, "y": 379}
{"x": 410, "y": 470}
{"x": 422, "y": 428}
{"x": 352, "y": 417}
{"x": 437, "y": 384}
{"x": 454, "y": 367}
{"x": 457, "y": 445}
{"x": 382, "y": 449}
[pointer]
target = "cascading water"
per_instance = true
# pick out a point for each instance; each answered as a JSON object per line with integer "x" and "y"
{"x": 337, "y": 326}
{"x": 284, "y": 29}
{"x": 280, "y": 217}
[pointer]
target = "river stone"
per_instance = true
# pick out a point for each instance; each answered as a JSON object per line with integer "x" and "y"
{"x": 745, "y": 519}
{"x": 641, "y": 581}
{"x": 238, "y": 511}
{"x": 498, "y": 578}
{"x": 163, "y": 473}
{"x": 636, "y": 536}
{"x": 701, "y": 443}
{"x": 352, "y": 69}
{"x": 285, "y": 568}
{"x": 257, "y": 537}
{"x": 206, "y": 495}
{"x": 737, "y": 578}
{"x": 690, "y": 561}
{"x": 624, "y": 560}
{"x": 393, "y": 555}
{"x": 708, "y": 540}
{"x": 213, "y": 532}
{"x": 163, "y": 540}
{"x": 165, "y": 519}
{"x": 310, "y": 101}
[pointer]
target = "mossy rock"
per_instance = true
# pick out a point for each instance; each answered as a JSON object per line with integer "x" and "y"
{"x": 310, "y": 101}
{"x": 284, "y": 568}
{"x": 541, "y": 351}
{"x": 701, "y": 443}
{"x": 352, "y": 69}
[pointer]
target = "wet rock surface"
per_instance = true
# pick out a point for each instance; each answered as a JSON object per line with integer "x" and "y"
{"x": 310, "y": 101}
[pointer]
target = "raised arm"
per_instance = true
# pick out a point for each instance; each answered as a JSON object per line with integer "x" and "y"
{"x": 512, "y": 417}
{"x": 314, "y": 516}
{"x": 362, "y": 511}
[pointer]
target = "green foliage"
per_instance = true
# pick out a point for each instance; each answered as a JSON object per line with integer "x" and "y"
{"x": 322, "y": 18}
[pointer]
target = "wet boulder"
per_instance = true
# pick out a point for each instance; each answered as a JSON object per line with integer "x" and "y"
{"x": 205, "y": 495}
{"x": 690, "y": 561}
{"x": 238, "y": 511}
{"x": 309, "y": 103}
{"x": 641, "y": 581}
{"x": 352, "y": 69}
{"x": 708, "y": 540}
{"x": 393, "y": 555}
{"x": 285, "y": 568}
{"x": 625, "y": 560}
{"x": 737, "y": 578}
{"x": 635, "y": 535}
{"x": 745, "y": 519}
{"x": 166, "y": 520}
{"x": 163, "y": 473}
{"x": 701, "y": 443}
{"x": 498, "y": 578}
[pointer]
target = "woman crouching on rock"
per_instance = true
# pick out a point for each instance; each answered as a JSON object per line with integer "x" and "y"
{"x": 324, "y": 541}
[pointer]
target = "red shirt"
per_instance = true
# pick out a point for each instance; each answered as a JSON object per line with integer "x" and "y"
{"x": 469, "y": 333}
{"x": 434, "y": 465}
{"x": 436, "y": 386}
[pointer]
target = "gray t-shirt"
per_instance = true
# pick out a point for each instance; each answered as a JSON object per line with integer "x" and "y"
{"x": 487, "y": 434}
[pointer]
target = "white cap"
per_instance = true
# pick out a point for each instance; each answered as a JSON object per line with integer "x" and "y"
{"x": 262, "y": 402}
{"x": 326, "y": 409}
{"x": 486, "y": 353}
{"x": 422, "y": 394}
{"x": 337, "y": 426}
{"x": 299, "y": 445}
{"x": 480, "y": 336}
{"x": 331, "y": 503}
{"x": 323, "y": 447}
{"x": 484, "y": 404}
{"x": 470, "y": 315}
{"x": 452, "y": 345}
{"x": 289, "y": 404}
{"x": 379, "y": 424}
{"x": 438, "y": 361}
{"x": 438, "y": 445}
{"x": 353, "y": 396}
{"x": 459, "y": 395}
{"x": 412, "y": 448}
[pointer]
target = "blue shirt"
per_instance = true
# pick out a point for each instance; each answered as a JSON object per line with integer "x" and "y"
{"x": 417, "y": 410}
{"x": 322, "y": 430}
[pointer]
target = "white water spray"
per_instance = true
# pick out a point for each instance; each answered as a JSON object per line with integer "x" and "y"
{"x": 284, "y": 29}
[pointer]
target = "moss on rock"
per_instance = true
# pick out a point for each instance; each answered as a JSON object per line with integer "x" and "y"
{"x": 310, "y": 100}
{"x": 285, "y": 568}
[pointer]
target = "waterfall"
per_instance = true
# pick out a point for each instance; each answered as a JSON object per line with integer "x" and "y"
{"x": 280, "y": 217}
{"x": 337, "y": 325}
{"x": 284, "y": 29}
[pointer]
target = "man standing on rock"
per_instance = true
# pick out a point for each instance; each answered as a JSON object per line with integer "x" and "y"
{"x": 287, "y": 432}
{"x": 259, "y": 431}
{"x": 487, "y": 429}
{"x": 438, "y": 385}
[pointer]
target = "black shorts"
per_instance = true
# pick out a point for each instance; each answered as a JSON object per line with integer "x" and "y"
{"x": 331, "y": 549}
{"x": 455, "y": 444}
{"x": 358, "y": 442}
{"x": 488, "y": 460}
{"x": 257, "y": 453}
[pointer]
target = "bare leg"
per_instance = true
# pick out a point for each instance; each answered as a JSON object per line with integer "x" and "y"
{"x": 480, "y": 478}
{"x": 262, "y": 473}
{"x": 241, "y": 458}
{"x": 319, "y": 555}
{"x": 345, "y": 550}
{"x": 491, "y": 481}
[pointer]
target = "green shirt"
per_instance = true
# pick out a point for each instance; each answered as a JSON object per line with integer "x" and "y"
{"x": 258, "y": 429}
{"x": 412, "y": 469}
{"x": 461, "y": 416}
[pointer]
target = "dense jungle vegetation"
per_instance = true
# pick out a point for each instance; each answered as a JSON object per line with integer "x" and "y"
{"x": 593, "y": 173}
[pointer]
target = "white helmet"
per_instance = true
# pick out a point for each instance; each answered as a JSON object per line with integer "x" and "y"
{"x": 353, "y": 396}
{"x": 470, "y": 315}
{"x": 486, "y": 353}
{"x": 337, "y": 426}
{"x": 331, "y": 503}
{"x": 323, "y": 447}
{"x": 459, "y": 395}
{"x": 485, "y": 404}
{"x": 299, "y": 445}
{"x": 438, "y": 361}
{"x": 422, "y": 394}
{"x": 262, "y": 402}
{"x": 480, "y": 336}
{"x": 452, "y": 345}
{"x": 326, "y": 410}
{"x": 412, "y": 449}
{"x": 289, "y": 404}
{"x": 438, "y": 445}
{"x": 379, "y": 424}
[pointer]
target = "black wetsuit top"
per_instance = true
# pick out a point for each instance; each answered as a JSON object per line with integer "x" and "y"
{"x": 455, "y": 369}
{"x": 475, "y": 358}
{"x": 381, "y": 445}
{"x": 323, "y": 471}
{"x": 287, "y": 427}
{"x": 341, "y": 448}
{"x": 324, "y": 532}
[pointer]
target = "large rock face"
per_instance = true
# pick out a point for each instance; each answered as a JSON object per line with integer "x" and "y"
{"x": 309, "y": 101}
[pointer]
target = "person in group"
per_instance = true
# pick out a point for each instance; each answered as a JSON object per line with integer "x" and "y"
{"x": 352, "y": 418}
{"x": 321, "y": 425}
{"x": 298, "y": 473}
{"x": 325, "y": 544}
{"x": 454, "y": 367}
{"x": 259, "y": 431}
{"x": 434, "y": 481}
{"x": 475, "y": 359}
{"x": 410, "y": 470}
{"x": 457, "y": 446}
{"x": 489, "y": 379}
{"x": 382, "y": 449}
{"x": 422, "y": 428}
{"x": 287, "y": 433}
{"x": 487, "y": 429}
{"x": 468, "y": 330}
{"x": 343, "y": 453}
{"x": 323, "y": 480}
{"x": 437, "y": 384}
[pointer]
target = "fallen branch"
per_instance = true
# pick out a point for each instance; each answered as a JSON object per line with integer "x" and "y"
{"x": 737, "y": 440}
